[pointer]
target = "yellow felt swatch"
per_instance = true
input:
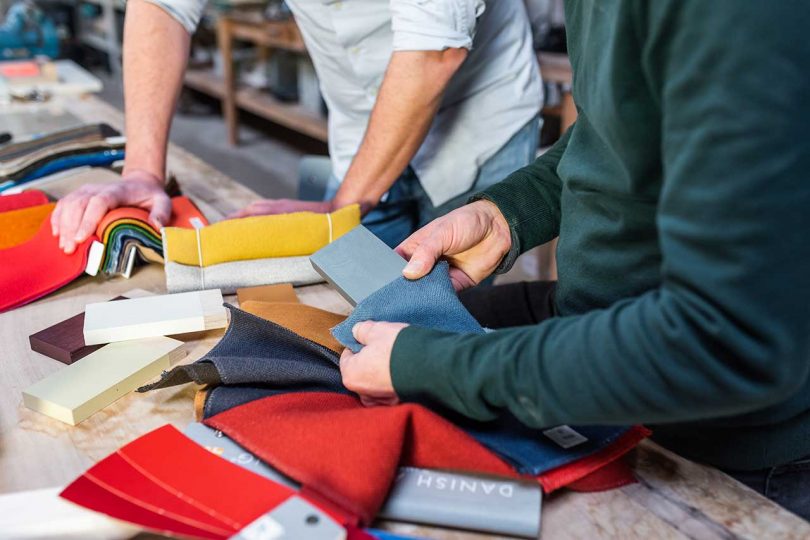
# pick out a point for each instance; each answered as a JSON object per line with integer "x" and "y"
{"x": 258, "y": 237}
{"x": 21, "y": 225}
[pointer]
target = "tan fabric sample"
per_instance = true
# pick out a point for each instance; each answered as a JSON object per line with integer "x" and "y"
{"x": 306, "y": 321}
{"x": 283, "y": 292}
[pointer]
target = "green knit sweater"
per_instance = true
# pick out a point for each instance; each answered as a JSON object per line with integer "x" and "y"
{"x": 681, "y": 197}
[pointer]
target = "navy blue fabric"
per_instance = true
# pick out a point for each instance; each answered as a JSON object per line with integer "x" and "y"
{"x": 430, "y": 302}
{"x": 531, "y": 452}
{"x": 256, "y": 352}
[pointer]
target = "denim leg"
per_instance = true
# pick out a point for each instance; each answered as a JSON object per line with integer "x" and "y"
{"x": 787, "y": 485}
{"x": 518, "y": 152}
{"x": 396, "y": 217}
{"x": 407, "y": 206}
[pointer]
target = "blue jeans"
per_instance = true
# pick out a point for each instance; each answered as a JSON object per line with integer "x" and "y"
{"x": 408, "y": 206}
{"x": 787, "y": 485}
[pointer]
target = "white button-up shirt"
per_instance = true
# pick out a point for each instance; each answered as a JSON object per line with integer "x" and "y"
{"x": 493, "y": 94}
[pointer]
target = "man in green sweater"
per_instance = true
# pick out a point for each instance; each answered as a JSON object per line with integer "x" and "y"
{"x": 681, "y": 197}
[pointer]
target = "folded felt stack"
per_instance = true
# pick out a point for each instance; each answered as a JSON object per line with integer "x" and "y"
{"x": 251, "y": 251}
{"x": 97, "y": 145}
{"x": 276, "y": 370}
{"x": 34, "y": 265}
{"x": 128, "y": 235}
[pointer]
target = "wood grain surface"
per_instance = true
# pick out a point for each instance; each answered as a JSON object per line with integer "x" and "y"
{"x": 675, "y": 498}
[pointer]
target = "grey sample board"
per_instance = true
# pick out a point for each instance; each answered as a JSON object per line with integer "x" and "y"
{"x": 358, "y": 264}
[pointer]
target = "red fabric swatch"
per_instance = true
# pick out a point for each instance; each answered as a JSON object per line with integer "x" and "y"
{"x": 165, "y": 482}
{"x": 22, "y": 200}
{"x": 349, "y": 454}
{"x": 31, "y": 270}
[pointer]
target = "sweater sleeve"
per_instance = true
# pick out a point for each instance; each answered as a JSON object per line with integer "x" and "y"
{"x": 728, "y": 330}
{"x": 529, "y": 199}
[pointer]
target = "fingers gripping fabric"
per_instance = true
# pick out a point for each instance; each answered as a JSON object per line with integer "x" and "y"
{"x": 430, "y": 302}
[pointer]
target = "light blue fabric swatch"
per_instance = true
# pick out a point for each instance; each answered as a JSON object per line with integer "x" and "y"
{"x": 429, "y": 302}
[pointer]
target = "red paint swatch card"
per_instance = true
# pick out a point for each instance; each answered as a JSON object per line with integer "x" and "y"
{"x": 165, "y": 482}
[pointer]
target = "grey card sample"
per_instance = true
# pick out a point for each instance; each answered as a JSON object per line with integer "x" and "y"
{"x": 357, "y": 264}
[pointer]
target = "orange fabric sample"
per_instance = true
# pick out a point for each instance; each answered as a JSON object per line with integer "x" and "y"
{"x": 306, "y": 321}
{"x": 19, "y": 226}
{"x": 283, "y": 292}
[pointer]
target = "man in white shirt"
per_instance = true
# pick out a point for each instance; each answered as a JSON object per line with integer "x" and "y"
{"x": 429, "y": 101}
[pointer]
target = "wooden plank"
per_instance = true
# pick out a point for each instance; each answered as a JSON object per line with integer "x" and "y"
{"x": 90, "y": 384}
{"x": 64, "y": 341}
{"x": 163, "y": 315}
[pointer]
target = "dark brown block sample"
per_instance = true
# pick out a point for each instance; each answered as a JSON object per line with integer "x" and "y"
{"x": 64, "y": 341}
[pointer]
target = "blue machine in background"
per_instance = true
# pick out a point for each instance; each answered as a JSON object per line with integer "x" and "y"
{"x": 27, "y": 31}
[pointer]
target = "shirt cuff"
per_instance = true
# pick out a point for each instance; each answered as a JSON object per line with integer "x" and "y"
{"x": 409, "y": 364}
{"x": 514, "y": 251}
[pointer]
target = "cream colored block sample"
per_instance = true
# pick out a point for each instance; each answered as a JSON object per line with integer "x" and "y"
{"x": 88, "y": 385}
{"x": 160, "y": 315}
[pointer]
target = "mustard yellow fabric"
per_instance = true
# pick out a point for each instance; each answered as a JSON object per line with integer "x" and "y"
{"x": 258, "y": 237}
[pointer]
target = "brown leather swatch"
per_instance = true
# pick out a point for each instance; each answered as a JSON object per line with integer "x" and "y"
{"x": 282, "y": 292}
{"x": 306, "y": 321}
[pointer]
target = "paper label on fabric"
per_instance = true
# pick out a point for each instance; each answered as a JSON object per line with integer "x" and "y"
{"x": 565, "y": 436}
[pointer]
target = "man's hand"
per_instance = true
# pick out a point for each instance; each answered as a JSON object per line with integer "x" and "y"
{"x": 282, "y": 206}
{"x": 77, "y": 215}
{"x": 473, "y": 239}
{"x": 368, "y": 373}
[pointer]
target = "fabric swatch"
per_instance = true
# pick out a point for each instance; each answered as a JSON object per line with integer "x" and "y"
{"x": 38, "y": 267}
{"x": 86, "y": 133}
{"x": 308, "y": 443}
{"x": 129, "y": 226}
{"x": 306, "y": 321}
{"x": 430, "y": 302}
{"x": 22, "y": 200}
{"x": 230, "y": 276}
{"x": 258, "y": 237}
{"x": 282, "y": 292}
{"x": 21, "y": 225}
{"x": 99, "y": 157}
{"x": 55, "y": 140}
{"x": 259, "y": 353}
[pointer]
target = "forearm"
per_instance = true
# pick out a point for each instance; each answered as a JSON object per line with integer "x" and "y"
{"x": 409, "y": 97}
{"x": 156, "y": 49}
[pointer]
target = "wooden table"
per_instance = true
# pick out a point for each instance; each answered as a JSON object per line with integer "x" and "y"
{"x": 674, "y": 498}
